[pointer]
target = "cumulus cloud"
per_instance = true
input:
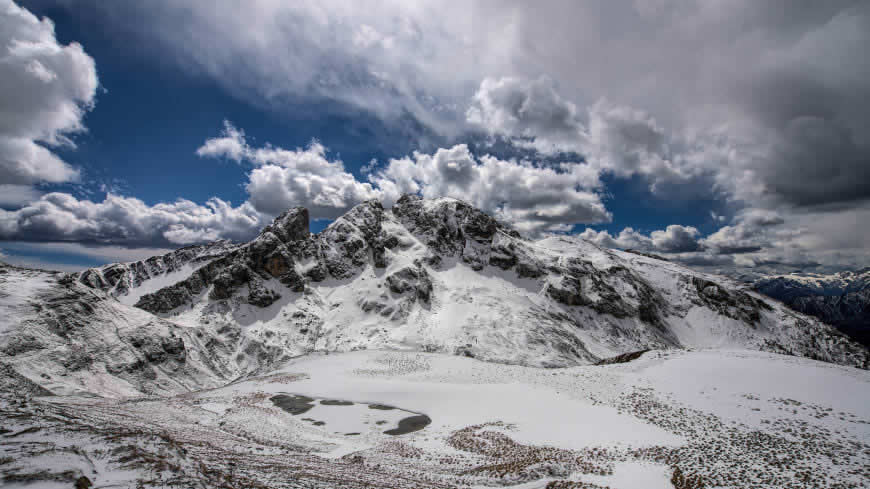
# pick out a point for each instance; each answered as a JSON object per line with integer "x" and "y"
{"x": 617, "y": 139}
{"x": 678, "y": 109}
{"x": 283, "y": 178}
{"x": 759, "y": 239}
{"x": 673, "y": 239}
{"x": 230, "y": 144}
{"x": 535, "y": 198}
{"x": 737, "y": 239}
{"x": 531, "y": 112}
{"x": 799, "y": 239}
{"x": 128, "y": 221}
{"x": 45, "y": 90}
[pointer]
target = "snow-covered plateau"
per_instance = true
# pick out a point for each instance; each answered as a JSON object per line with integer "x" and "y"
{"x": 427, "y": 345}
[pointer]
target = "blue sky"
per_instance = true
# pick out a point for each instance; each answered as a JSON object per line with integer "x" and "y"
{"x": 659, "y": 162}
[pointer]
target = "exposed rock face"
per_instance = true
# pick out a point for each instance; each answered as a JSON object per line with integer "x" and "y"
{"x": 841, "y": 299}
{"x": 413, "y": 280}
{"x": 434, "y": 275}
{"x": 119, "y": 278}
{"x": 271, "y": 255}
{"x": 291, "y": 225}
{"x": 734, "y": 304}
{"x": 451, "y": 228}
{"x": 353, "y": 241}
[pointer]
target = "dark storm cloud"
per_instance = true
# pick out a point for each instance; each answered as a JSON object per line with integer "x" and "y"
{"x": 817, "y": 161}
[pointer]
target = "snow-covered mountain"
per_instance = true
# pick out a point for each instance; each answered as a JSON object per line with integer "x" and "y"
{"x": 440, "y": 275}
{"x": 426, "y": 275}
{"x": 841, "y": 299}
{"x": 194, "y": 369}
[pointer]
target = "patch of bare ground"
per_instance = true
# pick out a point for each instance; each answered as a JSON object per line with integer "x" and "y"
{"x": 792, "y": 454}
{"x": 508, "y": 460}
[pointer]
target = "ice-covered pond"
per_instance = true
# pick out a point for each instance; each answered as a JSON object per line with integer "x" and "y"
{"x": 351, "y": 418}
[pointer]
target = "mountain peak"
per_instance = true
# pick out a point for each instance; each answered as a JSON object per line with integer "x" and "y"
{"x": 291, "y": 225}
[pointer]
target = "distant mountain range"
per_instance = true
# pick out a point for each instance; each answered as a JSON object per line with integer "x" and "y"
{"x": 840, "y": 299}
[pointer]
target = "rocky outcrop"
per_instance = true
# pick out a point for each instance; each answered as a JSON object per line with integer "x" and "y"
{"x": 413, "y": 281}
{"x": 272, "y": 255}
{"x": 119, "y": 278}
{"x": 353, "y": 241}
{"x": 624, "y": 358}
{"x": 69, "y": 338}
{"x": 450, "y": 228}
{"x": 734, "y": 304}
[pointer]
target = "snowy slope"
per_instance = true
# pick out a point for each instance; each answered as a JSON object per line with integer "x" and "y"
{"x": 70, "y": 338}
{"x": 714, "y": 418}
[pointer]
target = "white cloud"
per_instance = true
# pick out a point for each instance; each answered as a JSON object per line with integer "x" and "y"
{"x": 611, "y": 138}
{"x": 761, "y": 239}
{"x": 71, "y": 257}
{"x": 535, "y": 198}
{"x": 798, "y": 239}
{"x": 283, "y": 178}
{"x": 637, "y": 88}
{"x": 674, "y": 239}
{"x": 531, "y": 112}
{"x": 45, "y": 90}
{"x": 17, "y": 195}
{"x": 628, "y": 141}
{"x": 230, "y": 144}
{"x": 42, "y": 264}
{"x": 95, "y": 252}
{"x": 128, "y": 221}
{"x": 369, "y": 167}
{"x": 679, "y": 109}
